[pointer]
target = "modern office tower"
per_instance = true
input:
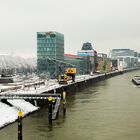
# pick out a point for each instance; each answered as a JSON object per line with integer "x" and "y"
{"x": 87, "y": 53}
{"x": 50, "y": 51}
{"x": 127, "y": 57}
{"x": 87, "y": 46}
{"x": 115, "y": 53}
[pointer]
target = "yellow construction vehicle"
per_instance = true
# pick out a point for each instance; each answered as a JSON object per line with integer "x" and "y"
{"x": 70, "y": 71}
{"x": 62, "y": 79}
{"x": 69, "y": 75}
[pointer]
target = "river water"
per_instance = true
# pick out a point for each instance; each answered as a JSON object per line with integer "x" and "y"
{"x": 109, "y": 110}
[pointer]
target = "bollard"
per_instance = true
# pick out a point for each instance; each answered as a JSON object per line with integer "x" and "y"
{"x": 50, "y": 99}
{"x": 64, "y": 103}
{"x": 35, "y": 103}
{"x": 19, "y": 125}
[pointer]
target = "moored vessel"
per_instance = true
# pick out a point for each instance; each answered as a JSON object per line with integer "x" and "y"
{"x": 136, "y": 80}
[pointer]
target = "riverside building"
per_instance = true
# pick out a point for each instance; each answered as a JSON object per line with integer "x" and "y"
{"x": 88, "y": 54}
{"x": 126, "y": 57}
{"x": 50, "y": 47}
{"x": 76, "y": 61}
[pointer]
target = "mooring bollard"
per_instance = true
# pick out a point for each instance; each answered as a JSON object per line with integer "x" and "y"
{"x": 20, "y": 125}
{"x": 50, "y": 99}
{"x": 64, "y": 103}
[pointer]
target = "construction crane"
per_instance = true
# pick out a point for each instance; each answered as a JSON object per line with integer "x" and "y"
{"x": 65, "y": 74}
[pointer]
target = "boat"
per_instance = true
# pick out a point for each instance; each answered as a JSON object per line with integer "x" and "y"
{"x": 136, "y": 80}
{"x": 6, "y": 79}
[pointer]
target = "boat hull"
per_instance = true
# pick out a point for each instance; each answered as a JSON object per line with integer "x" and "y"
{"x": 136, "y": 80}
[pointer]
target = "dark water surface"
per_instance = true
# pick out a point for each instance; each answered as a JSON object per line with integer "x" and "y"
{"x": 110, "y": 110}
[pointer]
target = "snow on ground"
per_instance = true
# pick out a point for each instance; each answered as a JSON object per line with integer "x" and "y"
{"x": 9, "y": 114}
{"x": 23, "y": 106}
{"x": 49, "y": 85}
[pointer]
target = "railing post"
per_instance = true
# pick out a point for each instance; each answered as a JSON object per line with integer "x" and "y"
{"x": 50, "y": 99}
{"x": 19, "y": 125}
{"x": 64, "y": 103}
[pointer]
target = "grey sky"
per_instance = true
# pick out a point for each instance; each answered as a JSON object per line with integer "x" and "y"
{"x": 106, "y": 24}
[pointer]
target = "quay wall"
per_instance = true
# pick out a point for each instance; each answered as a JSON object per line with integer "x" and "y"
{"x": 78, "y": 86}
{"x": 88, "y": 82}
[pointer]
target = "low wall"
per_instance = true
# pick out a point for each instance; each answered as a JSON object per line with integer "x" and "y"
{"x": 80, "y": 85}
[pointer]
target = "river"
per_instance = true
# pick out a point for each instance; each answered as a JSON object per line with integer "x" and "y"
{"x": 109, "y": 110}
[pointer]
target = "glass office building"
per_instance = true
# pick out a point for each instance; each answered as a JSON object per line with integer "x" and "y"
{"x": 128, "y": 57}
{"x": 50, "y": 50}
{"x": 115, "y": 53}
{"x": 88, "y": 54}
{"x": 77, "y": 61}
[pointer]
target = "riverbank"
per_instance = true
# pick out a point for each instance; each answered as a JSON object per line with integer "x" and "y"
{"x": 9, "y": 113}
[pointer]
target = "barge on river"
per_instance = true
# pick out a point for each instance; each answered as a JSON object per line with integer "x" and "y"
{"x": 136, "y": 80}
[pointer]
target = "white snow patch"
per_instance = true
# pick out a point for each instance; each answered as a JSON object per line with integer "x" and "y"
{"x": 9, "y": 114}
{"x": 23, "y": 106}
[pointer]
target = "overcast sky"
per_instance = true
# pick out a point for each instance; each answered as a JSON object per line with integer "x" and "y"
{"x": 107, "y": 24}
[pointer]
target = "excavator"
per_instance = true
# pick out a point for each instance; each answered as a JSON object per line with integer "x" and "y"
{"x": 69, "y": 74}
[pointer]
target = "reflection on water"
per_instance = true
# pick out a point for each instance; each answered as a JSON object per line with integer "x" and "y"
{"x": 108, "y": 110}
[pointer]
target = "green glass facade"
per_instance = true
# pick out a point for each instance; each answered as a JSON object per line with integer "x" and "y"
{"x": 76, "y": 61}
{"x": 50, "y": 47}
